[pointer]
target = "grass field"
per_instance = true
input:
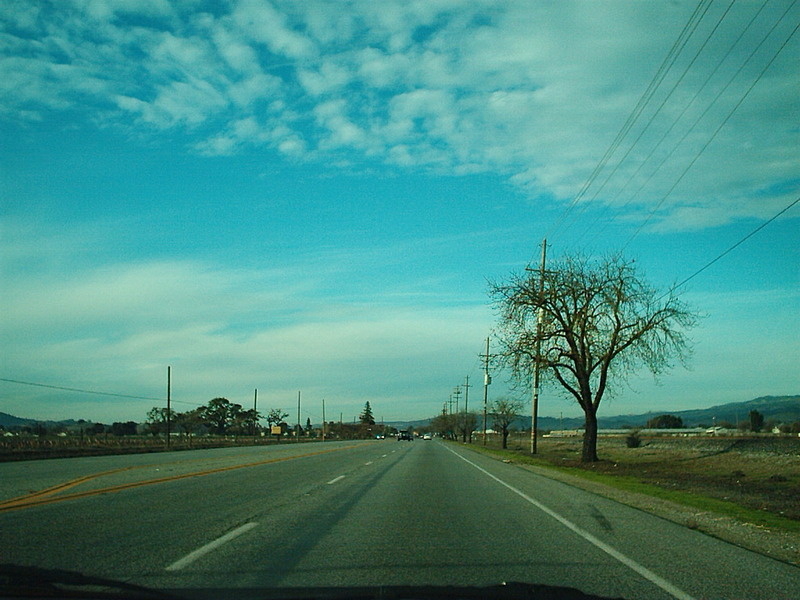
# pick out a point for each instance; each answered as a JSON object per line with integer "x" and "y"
{"x": 755, "y": 479}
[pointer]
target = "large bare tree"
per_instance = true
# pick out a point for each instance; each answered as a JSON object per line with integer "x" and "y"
{"x": 600, "y": 322}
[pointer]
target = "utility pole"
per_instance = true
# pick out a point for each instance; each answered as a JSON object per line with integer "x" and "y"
{"x": 255, "y": 414}
{"x": 466, "y": 410}
{"x": 297, "y": 429}
{"x": 486, "y": 381}
{"x": 169, "y": 401}
{"x": 539, "y": 318}
{"x": 456, "y": 393}
{"x": 323, "y": 419}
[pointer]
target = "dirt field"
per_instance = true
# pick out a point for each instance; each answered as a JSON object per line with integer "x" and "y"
{"x": 32, "y": 448}
{"x": 761, "y": 473}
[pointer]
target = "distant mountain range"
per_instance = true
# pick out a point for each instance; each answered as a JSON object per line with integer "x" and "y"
{"x": 783, "y": 409}
{"x": 8, "y": 421}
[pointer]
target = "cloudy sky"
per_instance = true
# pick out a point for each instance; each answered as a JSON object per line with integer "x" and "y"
{"x": 312, "y": 195}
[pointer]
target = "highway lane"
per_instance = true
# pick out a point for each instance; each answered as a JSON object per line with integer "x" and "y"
{"x": 21, "y": 478}
{"x": 373, "y": 513}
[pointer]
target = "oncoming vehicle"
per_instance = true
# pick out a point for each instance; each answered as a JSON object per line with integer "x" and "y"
{"x": 405, "y": 436}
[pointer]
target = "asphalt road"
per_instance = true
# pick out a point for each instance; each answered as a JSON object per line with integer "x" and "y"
{"x": 351, "y": 515}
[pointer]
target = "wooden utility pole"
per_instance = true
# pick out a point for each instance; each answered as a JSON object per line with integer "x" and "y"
{"x": 537, "y": 359}
{"x": 466, "y": 410}
{"x": 255, "y": 414}
{"x": 486, "y": 381}
{"x": 297, "y": 429}
{"x": 169, "y": 402}
{"x": 323, "y": 419}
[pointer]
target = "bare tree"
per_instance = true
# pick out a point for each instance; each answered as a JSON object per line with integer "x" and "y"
{"x": 444, "y": 425}
{"x": 599, "y": 322}
{"x": 465, "y": 425}
{"x": 503, "y": 412}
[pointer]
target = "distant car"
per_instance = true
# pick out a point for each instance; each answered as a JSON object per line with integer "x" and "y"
{"x": 405, "y": 436}
{"x": 427, "y": 436}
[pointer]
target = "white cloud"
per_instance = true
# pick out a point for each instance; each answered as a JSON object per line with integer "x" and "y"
{"x": 190, "y": 102}
{"x": 260, "y": 22}
{"x": 535, "y": 92}
{"x": 329, "y": 78}
{"x": 104, "y": 10}
{"x": 236, "y": 52}
{"x": 341, "y": 130}
{"x": 256, "y": 87}
{"x": 292, "y": 146}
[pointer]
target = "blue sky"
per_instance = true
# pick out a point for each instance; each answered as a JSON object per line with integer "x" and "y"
{"x": 313, "y": 195}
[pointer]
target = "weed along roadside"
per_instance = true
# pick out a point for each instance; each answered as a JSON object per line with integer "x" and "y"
{"x": 739, "y": 490}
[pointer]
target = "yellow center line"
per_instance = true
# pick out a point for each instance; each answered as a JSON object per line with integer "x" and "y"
{"x": 45, "y": 496}
{"x": 66, "y": 485}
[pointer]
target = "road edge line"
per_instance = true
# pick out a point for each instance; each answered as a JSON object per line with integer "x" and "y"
{"x": 660, "y": 582}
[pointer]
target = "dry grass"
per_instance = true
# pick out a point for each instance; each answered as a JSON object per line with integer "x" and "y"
{"x": 760, "y": 473}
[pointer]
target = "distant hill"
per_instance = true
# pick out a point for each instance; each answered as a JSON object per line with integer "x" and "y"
{"x": 784, "y": 409}
{"x": 8, "y": 421}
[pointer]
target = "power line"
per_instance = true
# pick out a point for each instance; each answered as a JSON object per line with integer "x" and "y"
{"x": 666, "y": 65}
{"x": 84, "y": 391}
{"x": 733, "y": 247}
{"x": 658, "y": 110}
{"x": 724, "y": 121}
{"x": 677, "y": 119}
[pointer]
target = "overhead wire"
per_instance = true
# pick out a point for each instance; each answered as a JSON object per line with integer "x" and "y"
{"x": 79, "y": 390}
{"x": 720, "y": 126}
{"x": 660, "y": 107}
{"x": 95, "y": 392}
{"x": 666, "y": 65}
{"x": 675, "y": 146}
{"x": 591, "y": 233}
{"x": 731, "y": 248}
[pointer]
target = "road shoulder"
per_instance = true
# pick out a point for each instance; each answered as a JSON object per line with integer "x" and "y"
{"x": 780, "y": 545}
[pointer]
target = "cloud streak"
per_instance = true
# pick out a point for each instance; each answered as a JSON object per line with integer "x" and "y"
{"x": 224, "y": 330}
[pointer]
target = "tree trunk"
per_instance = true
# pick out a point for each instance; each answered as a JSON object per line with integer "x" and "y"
{"x": 505, "y": 439}
{"x": 589, "y": 453}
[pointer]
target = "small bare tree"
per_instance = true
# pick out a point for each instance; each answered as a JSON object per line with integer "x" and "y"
{"x": 465, "y": 425}
{"x": 503, "y": 412}
{"x": 599, "y": 321}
